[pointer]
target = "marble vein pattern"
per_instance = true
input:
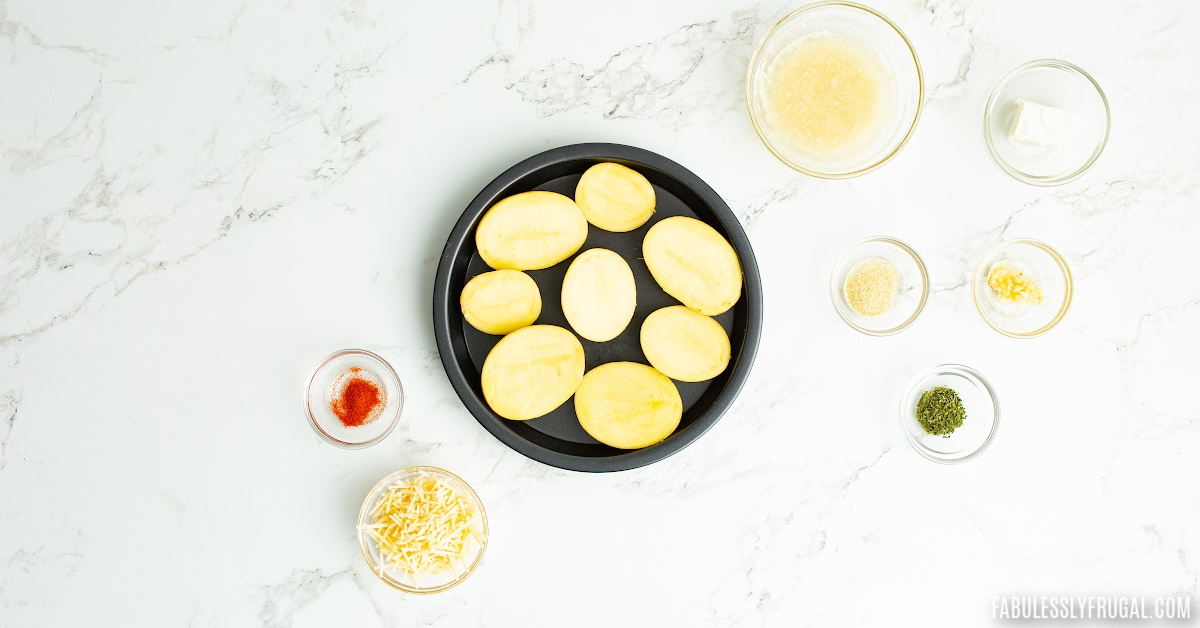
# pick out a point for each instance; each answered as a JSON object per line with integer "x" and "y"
{"x": 198, "y": 201}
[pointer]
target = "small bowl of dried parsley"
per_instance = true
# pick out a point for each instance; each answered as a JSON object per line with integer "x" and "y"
{"x": 950, "y": 413}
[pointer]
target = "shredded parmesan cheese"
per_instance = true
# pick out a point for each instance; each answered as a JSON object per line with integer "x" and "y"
{"x": 424, "y": 526}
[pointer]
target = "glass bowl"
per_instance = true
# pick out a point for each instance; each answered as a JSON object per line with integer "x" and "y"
{"x": 1046, "y": 267}
{"x": 324, "y": 383}
{"x": 902, "y": 86}
{"x": 911, "y": 293}
{"x": 434, "y": 583}
{"x": 1057, "y": 84}
{"x": 978, "y": 428}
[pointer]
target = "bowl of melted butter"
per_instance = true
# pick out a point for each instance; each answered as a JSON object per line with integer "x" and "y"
{"x": 834, "y": 89}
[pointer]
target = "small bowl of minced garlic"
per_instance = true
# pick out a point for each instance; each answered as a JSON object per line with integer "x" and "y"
{"x": 1022, "y": 288}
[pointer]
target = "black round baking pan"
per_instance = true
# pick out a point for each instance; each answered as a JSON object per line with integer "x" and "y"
{"x": 557, "y": 438}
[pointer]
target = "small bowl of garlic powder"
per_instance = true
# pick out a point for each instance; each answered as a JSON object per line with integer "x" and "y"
{"x": 879, "y": 286}
{"x": 1022, "y": 288}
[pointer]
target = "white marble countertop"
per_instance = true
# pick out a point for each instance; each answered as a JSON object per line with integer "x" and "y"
{"x": 199, "y": 200}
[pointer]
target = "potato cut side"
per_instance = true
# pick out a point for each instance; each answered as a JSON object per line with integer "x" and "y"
{"x": 615, "y": 198}
{"x": 684, "y": 344}
{"x": 530, "y": 231}
{"x": 532, "y": 371}
{"x": 501, "y": 301}
{"x": 694, "y": 264}
{"x": 628, "y": 405}
{"x": 599, "y": 295}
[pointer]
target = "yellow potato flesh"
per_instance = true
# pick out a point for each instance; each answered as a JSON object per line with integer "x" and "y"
{"x": 685, "y": 345}
{"x": 694, "y": 264}
{"x": 501, "y": 301}
{"x": 599, "y": 295}
{"x": 615, "y": 198}
{"x": 628, "y": 405}
{"x": 530, "y": 231}
{"x": 532, "y": 371}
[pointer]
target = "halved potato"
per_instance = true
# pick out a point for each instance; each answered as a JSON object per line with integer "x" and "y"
{"x": 532, "y": 371}
{"x": 599, "y": 295}
{"x": 694, "y": 264}
{"x": 684, "y": 344}
{"x": 530, "y": 231}
{"x": 501, "y": 301}
{"x": 615, "y": 198}
{"x": 628, "y": 405}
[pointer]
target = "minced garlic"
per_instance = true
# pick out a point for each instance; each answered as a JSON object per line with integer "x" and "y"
{"x": 870, "y": 286}
{"x": 1011, "y": 284}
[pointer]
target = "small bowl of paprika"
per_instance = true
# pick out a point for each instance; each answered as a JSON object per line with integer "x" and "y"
{"x": 353, "y": 399}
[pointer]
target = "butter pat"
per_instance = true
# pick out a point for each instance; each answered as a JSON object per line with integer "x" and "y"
{"x": 1041, "y": 125}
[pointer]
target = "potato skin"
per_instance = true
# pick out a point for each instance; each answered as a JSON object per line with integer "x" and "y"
{"x": 614, "y": 197}
{"x": 685, "y": 345}
{"x": 599, "y": 295}
{"x": 501, "y": 301}
{"x": 530, "y": 231}
{"x": 532, "y": 371}
{"x": 628, "y": 405}
{"x": 693, "y": 263}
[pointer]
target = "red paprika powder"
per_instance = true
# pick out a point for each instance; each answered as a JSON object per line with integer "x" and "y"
{"x": 359, "y": 400}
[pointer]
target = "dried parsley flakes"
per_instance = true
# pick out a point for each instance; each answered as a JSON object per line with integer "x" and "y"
{"x": 940, "y": 411}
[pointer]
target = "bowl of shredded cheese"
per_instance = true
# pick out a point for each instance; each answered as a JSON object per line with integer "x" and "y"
{"x": 422, "y": 530}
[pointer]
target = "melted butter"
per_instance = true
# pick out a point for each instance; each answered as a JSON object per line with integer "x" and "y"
{"x": 825, "y": 94}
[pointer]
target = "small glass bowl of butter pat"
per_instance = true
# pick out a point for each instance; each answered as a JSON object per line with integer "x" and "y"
{"x": 1046, "y": 122}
